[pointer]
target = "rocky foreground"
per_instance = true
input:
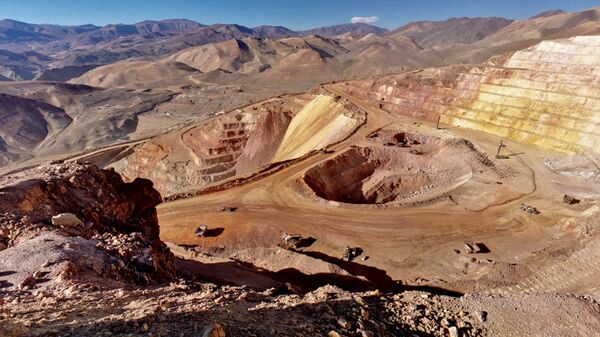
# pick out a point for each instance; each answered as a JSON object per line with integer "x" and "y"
{"x": 80, "y": 255}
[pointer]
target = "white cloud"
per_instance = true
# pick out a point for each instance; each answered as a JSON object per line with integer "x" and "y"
{"x": 365, "y": 19}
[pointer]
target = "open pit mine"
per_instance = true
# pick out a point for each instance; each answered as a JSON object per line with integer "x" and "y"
{"x": 459, "y": 200}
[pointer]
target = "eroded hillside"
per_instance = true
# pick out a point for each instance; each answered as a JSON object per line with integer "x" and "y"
{"x": 45, "y": 119}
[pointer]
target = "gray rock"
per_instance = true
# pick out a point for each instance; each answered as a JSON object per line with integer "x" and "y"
{"x": 68, "y": 220}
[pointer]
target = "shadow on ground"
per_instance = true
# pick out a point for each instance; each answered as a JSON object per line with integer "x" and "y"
{"x": 290, "y": 280}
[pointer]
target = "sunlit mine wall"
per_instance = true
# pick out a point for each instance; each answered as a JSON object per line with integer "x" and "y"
{"x": 547, "y": 95}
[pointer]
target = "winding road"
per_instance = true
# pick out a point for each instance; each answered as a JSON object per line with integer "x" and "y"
{"x": 405, "y": 242}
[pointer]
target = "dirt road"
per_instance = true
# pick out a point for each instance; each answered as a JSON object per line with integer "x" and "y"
{"x": 401, "y": 242}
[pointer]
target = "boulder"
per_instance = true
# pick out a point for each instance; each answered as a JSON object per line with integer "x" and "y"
{"x": 68, "y": 220}
{"x": 120, "y": 239}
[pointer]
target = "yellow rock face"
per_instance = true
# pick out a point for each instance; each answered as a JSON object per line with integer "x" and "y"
{"x": 240, "y": 142}
{"x": 321, "y": 122}
{"x": 547, "y": 95}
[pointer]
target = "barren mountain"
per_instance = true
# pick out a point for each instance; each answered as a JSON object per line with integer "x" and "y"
{"x": 525, "y": 33}
{"x": 353, "y": 28}
{"x": 20, "y": 36}
{"x": 246, "y": 56}
{"x": 17, "y": 66}
{"x": 465, "y": 40}
{"x": 73, "y": 50}
{"x": 63, "y": 74}
{"x": 296, "y": 63}
{"x": 25, "y": 125}
{"x": 431, "y": 34}
{"x": 303, "y": 59}
{"x": 352, "y": 54}
{"x": 44, "y": 31}
{"x": 43, "y": 119}
{"x": 274, "y": 32}
{"x": 142, "y": 74}
{"x": 548, "y": 13}
{"x": 91, "y": 46}
{"x": 70, "y": 51}
{"x": 550, "y": 27}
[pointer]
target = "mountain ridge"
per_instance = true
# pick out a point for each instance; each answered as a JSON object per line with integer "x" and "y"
{"x": 68, "y": 51}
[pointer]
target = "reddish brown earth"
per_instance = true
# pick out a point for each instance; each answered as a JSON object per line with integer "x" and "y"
{"x": 48, "y": 289}
{"x": 469, "y": 193}
{"x": 485, "y": 208}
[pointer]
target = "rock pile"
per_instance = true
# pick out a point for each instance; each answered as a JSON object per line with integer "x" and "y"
{"x": 427, "y": 314}
{"x": 73, "y": 222}
{"x": 530, "y": 209}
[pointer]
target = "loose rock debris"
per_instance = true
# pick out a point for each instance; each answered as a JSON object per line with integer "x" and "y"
{"x": 569, "y": 200}
{"x": 291, "y": 240}
{"x": 530, "y": 209}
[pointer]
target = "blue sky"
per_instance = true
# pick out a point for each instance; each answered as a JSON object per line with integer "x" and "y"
{"x": 293, "y": 14}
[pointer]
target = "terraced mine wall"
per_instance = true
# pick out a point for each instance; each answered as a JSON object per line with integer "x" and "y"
{"x": 210, "y": 152}
{"x": 547, "y": 95}
{"x": 241, "y": 142}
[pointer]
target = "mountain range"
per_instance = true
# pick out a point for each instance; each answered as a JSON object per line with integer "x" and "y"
{"x": 135, "y": 76}
{"x": 55, "y": 52}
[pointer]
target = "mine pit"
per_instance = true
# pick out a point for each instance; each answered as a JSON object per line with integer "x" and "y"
{"x": 392, "y": 174}
{"x": 215, "y": 180}
{"x": 419, "y": 142}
